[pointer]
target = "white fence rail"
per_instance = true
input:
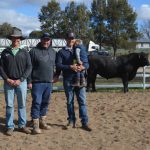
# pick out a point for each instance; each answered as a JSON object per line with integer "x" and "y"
{"x": 144, "y": 74}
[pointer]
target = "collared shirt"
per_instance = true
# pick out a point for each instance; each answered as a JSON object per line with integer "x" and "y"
{"x": 14, "y": 50}
{"x": 69, "y": 48}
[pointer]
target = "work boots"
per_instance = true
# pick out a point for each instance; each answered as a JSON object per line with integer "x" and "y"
{"x": 43, "y": 124}
{"x": 36, "y": 129}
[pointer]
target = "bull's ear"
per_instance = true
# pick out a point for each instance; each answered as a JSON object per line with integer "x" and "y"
{"x": 139, "y": 55}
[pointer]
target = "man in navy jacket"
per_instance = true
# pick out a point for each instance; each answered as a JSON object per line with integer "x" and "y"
{"x": 64, "y": 62}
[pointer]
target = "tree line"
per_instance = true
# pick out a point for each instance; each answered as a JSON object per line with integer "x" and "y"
{"x": 110, "y": 23}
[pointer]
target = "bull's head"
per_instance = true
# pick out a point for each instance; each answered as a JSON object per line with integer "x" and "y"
{"x": 144, "y": 59}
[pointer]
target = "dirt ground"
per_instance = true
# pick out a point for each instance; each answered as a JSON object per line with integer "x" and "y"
{"x": 119, "y": 122}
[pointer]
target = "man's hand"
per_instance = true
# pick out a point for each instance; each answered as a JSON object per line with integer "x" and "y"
{"x": 55, "y": 79}
{"x": 11, "y": 82}
{"x": 74, "y": 67}
{"x": 80, "y": 68}
{"x": 17, "y": 82}
{"x": 29, "y": 86}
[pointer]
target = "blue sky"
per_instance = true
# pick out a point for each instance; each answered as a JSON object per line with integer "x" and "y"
{"x": 24, "y": 13}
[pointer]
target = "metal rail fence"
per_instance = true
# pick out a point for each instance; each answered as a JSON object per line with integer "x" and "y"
{"x": 143, "y": 74}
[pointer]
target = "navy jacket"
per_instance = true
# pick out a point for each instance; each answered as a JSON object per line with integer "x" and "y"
{"x": 64, "y": 59}
{"x": 83, "y": 52}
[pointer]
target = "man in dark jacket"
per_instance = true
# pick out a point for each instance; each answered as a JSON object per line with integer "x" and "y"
{"x": 64, "y": 62}
{"x": 15, "y": 68}
{"x": 43, "y": 62}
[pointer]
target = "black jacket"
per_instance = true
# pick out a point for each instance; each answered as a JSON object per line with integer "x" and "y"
{"x": 15, "y": 67}
{"x": 43, "y": 63}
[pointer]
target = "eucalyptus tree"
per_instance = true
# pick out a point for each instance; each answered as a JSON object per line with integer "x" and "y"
{"x": 5, "y": 29}
{"x": 50, "y": 18}
{"x": 98, "y": 20}
{"x": 121, "y": 24}
{"x": 35, "y": 34}
{"x": 76, "y": 18}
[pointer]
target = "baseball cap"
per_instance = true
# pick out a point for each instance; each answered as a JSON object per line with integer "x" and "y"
{"x": 45, "y": 36}
{"x": 71, "y": 35}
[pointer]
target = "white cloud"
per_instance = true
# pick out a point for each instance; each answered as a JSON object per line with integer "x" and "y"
{"x": 144, "y": 12}
{"x": 26, "y": 23}
{"x": 44, "y": 2}
{"x": 36, "y": 2}
{"x": 10, "y": 3}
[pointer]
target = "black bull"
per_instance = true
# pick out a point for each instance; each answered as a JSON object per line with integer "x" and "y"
{"x": 124, "y": 67}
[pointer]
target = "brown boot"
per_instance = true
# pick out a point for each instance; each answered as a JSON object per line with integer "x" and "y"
{"x": 86, "y": 128}
{"x": 9, "y": 131}
{"x": 43, "y": 124}
{"x": 36, "y": 129}
{"x": 25, "y": 130}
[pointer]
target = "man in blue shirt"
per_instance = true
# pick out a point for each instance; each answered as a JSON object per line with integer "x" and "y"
{"x": 64, "y": 62}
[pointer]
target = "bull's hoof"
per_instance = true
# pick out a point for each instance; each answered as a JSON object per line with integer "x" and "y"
{"x": 94, "y": 91}
{"x": 87, "y": 90}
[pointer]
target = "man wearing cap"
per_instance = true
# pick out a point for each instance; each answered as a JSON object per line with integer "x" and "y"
{"x": 64, "y": 62}
{"x": 15, "y": 68}
{"x": 40, "y": 81}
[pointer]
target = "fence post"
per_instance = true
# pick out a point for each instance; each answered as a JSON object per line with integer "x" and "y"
{"x": 144, "y": 68}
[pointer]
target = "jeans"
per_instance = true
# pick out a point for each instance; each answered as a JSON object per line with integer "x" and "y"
{"x": 80, "y": 74}
{"x": 41, "y": 93}
{"x": 80, "y": 93}
{"x": 21, "y": 93}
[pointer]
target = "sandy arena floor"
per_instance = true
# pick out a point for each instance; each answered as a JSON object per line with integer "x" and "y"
{"x": 119, "y": 122}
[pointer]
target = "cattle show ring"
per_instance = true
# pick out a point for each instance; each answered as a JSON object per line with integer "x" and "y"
{"x": 119, "y": 113}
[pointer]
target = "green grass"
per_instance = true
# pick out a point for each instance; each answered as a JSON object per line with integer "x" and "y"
{"x": 1, "y": 83}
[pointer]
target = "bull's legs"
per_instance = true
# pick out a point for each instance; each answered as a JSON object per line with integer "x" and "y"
{"x": 91, "y": 78}
{"x": 93, "y": 83}
{"x": 89, "y": 82}
{"x": 125, "y": 85}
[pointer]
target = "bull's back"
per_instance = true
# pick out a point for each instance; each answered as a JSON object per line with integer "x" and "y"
{"x": 105, "y": 66}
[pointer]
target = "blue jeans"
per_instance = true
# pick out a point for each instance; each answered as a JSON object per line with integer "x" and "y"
{"x": 41, "y": 93}
{"x": 21, "y": 93}
{"x": 80, "y": 74}
{"x": 81, "y": 98}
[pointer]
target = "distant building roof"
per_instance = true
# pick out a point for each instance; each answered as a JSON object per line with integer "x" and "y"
{"x": 143, "y": 40}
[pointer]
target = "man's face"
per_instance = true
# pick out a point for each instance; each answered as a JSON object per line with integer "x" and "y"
{"x": 15, "y": 41}
{"x": 45, "y": 42}
{"x": 70, "y": 42}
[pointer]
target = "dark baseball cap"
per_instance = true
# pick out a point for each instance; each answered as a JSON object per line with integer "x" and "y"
{"x": 70, "y": 35}
{"x": 45, "y": 36}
